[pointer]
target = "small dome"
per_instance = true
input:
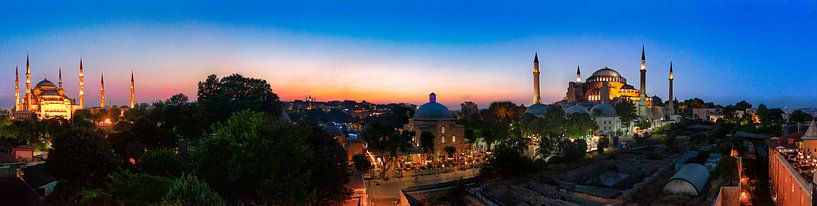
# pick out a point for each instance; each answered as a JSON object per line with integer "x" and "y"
{"x": 432, "y": 110}
{"x": 537, "y": 110}
{"x": 576, "y": 109}
{"x": 603, "y": 110}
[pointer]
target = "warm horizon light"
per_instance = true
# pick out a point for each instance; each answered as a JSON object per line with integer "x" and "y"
{"x": 399, "y": 52}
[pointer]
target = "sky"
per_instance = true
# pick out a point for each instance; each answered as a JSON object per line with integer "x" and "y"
{"x": 399, "y": 51}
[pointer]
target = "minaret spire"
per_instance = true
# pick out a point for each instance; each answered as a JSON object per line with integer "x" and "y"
{"x": 642, "y": 102}
{"x": 536, "y": 98}
{"x": 60, "y": 78}
{"x": 28, "y": 83}
{"x": 16, "y": 88}
{"x": 81, "y": 86}
{"x": 132, "y": 91}
{"x": 578, "y": 74}
{"x": 102, "y": 92}
{"x": 671, "y": 103}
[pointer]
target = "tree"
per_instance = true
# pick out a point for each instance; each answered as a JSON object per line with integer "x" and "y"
{"x": 163, "y": 162}
{"x": 626, "y": 110}
{"x": 138, "y": 189}
{"x": 361, "y": 162}
{"x": 255, "y": 157}
{"x": 427, "y": 141}
{"x": 799, "y": 116}
{"x": 450, "y": 150}
{"x": 580, "y": 125}
{"x": 219, "y": 98}
{"x": 742, "y": 106}
{"x": 387, "y": 141}
{"x": 604, "y": 142}
{"x": 80, "y": 159}
{"x": 188, "y": 190}
{"x": 507, "y": 160}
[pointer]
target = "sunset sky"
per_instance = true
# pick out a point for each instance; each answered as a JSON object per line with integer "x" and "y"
{"x": 394, "y": 51}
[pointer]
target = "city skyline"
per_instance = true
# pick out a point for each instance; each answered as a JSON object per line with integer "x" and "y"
{"x": 479, "y": 52}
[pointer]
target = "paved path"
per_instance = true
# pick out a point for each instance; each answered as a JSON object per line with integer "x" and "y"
{"x": 392, "y": 187}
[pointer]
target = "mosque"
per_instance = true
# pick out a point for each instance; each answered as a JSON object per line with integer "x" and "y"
{"x": 435, "y": 118}
{"x": 48, "y": 100}
{"x": 604, "y": 88}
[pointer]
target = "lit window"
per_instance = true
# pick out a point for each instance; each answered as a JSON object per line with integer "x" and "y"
{"x": 442, "y": 130}
{"x": 443, "y": 138}
{"x": 453, "y": 138}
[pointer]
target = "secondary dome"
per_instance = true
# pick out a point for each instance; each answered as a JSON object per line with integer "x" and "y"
{"x": 603, "y": 110}
{"x": 576, "y": 109}
{"x": 537, "y": 110}
{"x": 432, "y": 110}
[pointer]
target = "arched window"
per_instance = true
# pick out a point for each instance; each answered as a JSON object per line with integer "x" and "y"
{"x": 454, "y": 138}
{"x": 443, "y": 138}
{"x": 442, "y": 130}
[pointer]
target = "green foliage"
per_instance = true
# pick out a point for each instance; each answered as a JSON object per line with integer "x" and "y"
{"x": 138, "y": 189}
{"x": 361, "y": 162}
{"x": 427, "y": 141}
{"x": 163, "y": 162}
{"x": 580, "y": 125}
{"x": 219, "y": 98}
{"x": 253, "y": 156}
{"x": 799, "y": 116}
{"x": 507, "y": 160}
{"x": 387, "y": 141}
{"x": 450, "y": 150}
{"x": 727, "y": 168}
{"x": 188, "y": 190}
{"x": 604, "y": 142}
{"x": 80, "y": 156}
{"x": 626, "y": 110}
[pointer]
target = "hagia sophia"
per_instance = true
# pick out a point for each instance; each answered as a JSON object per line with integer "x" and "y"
{"x": 47, "y": 100}
{"x": 605, "y": 87}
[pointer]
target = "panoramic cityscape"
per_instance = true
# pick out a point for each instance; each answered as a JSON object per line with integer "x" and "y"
{"x": 408, "y": 103}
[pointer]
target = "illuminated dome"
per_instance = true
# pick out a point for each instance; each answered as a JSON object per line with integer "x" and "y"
{"x": 576, "y": 109}
{"x": 606, "y": 74}
{"x": 603, "y": 110}
{"x": 432, "y": 110}
{"x": 46, "y": 87}
{"x": 537, "y": 110}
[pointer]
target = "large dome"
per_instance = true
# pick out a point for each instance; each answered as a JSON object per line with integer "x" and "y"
{"x": 603, "y": 110}
{"x": 47, "y": 88}
{"x": 45, "y": 84}
{"x": 432, "y": 110}
{"x": 606, "y": 74}
{"x": 537, "y": 110}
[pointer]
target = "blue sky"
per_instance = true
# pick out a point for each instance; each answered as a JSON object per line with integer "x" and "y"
{"x": 722, "y": 51}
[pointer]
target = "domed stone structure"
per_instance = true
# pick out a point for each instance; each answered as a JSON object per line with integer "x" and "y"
{"x": 432, "y": 110}
{"x": 603, "y": 110}
{"x": 434, "y": 118}
{"x": 591, "y": 90}
{"x": 537, "y": 110}
{"x": 576, "y": 109}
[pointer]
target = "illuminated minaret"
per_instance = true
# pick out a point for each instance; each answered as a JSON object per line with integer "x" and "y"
{"x": 578, "y": 74}
{"x": 643, "y": 73}
{"x": 28, "y": 84}
{"x": 132, "y": 91}
{"x": 671, "y": 104}
{"x": 60, "y": 78}
{"x": 16, "y": 88}
{"x": 81, "y": 86}
{"x": 536, "y": 98}
{"x": 102, "y": 92}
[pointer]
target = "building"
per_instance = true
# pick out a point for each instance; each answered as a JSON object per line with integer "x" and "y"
{"x": 690, "y": 180}
{"x": 435, "y": 118}
{"x": 537, "y": 108}
{"x": 603, "y": 85}
{"x": 606, "y": 118}
{"x": 792, "y": 165}
{"x": 47, "y": 100}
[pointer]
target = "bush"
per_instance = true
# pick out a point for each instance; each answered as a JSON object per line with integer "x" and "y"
{"x": 138, "y": 189}
{"x": 163, "y": 162}
{"x": 188, "y": 190}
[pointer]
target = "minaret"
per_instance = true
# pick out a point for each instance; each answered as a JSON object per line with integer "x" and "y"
{"x": 132, "y": 91}
{"x": 16, "y": 88}
{"x": 643, "y": 73}
{"x": 578, "y": 74}
{"x": 60, "y": 78}
{"x": 536, "y": 98}
{"x": 642, "y": 102}
{"x": 81, "y": 86}
{"x": 102, "y": 92}
{"x": 671, "y": 104}
{"x": 28, "y": 84}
